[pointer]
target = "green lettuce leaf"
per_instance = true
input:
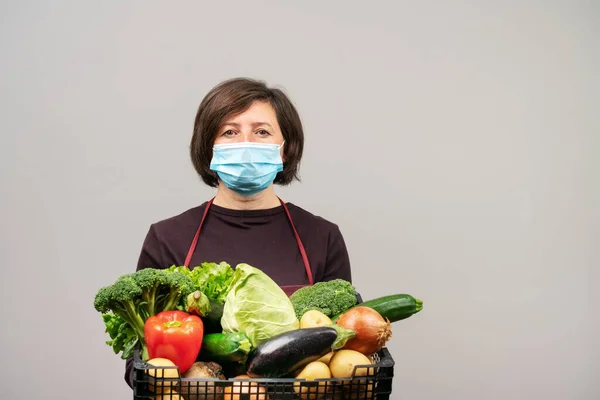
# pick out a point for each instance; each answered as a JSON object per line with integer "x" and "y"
{"x": 212, "y": 279}
{"x": 123, "y": 337}
{"x": 257, "y": 306}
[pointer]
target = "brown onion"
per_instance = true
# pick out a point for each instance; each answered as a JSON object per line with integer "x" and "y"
{"x": 372, "y": 331}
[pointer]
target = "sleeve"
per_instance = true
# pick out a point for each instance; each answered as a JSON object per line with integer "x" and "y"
{"x": 337, "y": 265}
{"x": 129, "y": 372}
{"x": 151, "y": 253}
{"x": 150, "y": 257}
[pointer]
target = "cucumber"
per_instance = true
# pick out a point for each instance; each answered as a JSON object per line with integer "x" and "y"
{"x": 285, "y": 354}
{"x": 394, "y": 307}
{"x": 225, "y": 347}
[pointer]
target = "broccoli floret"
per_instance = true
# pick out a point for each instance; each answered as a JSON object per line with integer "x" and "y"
{"x": 151, "y": 281}
{"x": 179, "y": 287}
{"x": 162, "y": 289}
{"x": 331, "y": 298}
{"x": 123, "y": 298}
{"x": 137, "y": 296}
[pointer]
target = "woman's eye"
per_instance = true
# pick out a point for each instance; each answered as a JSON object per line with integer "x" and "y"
{"x": 262, "y": 132}
{"x": 229, "y": 133}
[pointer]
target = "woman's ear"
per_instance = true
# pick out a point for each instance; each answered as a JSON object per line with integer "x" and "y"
{"x": 282, "y": 151}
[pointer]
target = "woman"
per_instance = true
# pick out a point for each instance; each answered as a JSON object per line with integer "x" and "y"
{"x": 248, "y": 137}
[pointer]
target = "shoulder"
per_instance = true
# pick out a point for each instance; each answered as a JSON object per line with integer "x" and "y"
{"x": 305, "y": 218}
{"x": 181, "y": 222}
{"x": 325, "y": 244}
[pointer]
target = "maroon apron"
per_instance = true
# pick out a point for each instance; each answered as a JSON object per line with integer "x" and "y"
{"x": 289, "y": 289}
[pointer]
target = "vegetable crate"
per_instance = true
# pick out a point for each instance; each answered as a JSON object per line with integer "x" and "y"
{"x": 372, "y": 381}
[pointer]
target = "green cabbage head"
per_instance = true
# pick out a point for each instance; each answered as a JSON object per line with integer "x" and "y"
{"x": 257, "y": 306}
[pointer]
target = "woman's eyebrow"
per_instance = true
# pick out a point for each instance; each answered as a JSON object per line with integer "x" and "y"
{"x": 254, "y": 124}
{"x": 262, "y": 123}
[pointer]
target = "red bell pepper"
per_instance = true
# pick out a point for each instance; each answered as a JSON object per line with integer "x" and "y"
{"x": 176, "y": 336}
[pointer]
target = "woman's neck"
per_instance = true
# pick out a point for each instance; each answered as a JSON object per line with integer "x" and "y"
{"x": 227, "y": 198}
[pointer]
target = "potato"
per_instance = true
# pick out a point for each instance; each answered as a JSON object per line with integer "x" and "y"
{"x": 238, "y": 389}
{"x": 169, "y": 374}
{"x": 158, "y": 372}
{"x": 169, "y": 394}
{"x": 314, "y": 318}
{"x": 343, "y": 362}
{"x": 312, "y": 371}
{"x": 326, "y": 358}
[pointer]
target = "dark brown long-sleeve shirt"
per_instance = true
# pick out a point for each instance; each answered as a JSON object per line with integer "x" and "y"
{"x": 261, "y": 238}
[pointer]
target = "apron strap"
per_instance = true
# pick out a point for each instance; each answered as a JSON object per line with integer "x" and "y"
{"x": 190, "y": 253}
{"x": 300, "y": 245}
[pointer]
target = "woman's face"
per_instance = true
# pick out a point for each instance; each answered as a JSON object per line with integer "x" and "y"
{"x": 257, "y": 124}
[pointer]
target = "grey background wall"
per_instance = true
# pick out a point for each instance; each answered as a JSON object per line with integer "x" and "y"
{"x": 453, "y": 142}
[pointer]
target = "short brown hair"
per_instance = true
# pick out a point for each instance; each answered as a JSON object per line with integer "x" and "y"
{"x": 233, "y": 97}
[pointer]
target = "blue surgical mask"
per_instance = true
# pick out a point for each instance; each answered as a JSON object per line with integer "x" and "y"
{"x": 247, "y": 168}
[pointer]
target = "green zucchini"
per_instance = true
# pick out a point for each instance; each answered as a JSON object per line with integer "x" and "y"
{"x": 394, "y": 307}
{"x": 225, "y": 347}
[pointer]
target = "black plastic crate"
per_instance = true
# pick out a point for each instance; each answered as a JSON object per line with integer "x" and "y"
{"x": 370, "y": 382}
